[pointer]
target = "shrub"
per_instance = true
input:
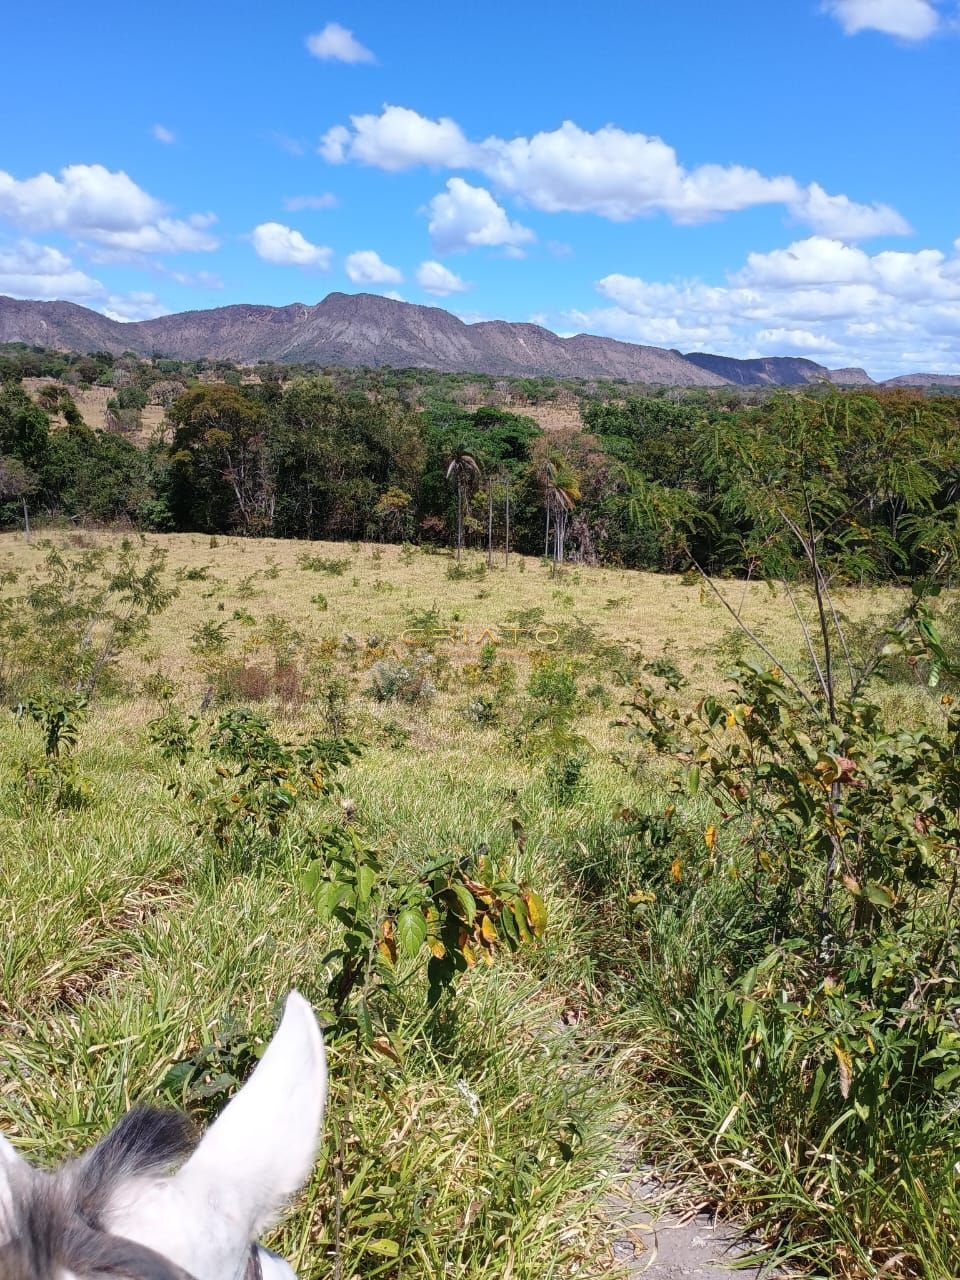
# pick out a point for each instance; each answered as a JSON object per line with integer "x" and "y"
{"x": 799, "y": 893}
{"x": 408, "y": 681}
{"x": 250, "y": 780}
{"x": 76, "y": 616}
{"x": 324, "y": 564}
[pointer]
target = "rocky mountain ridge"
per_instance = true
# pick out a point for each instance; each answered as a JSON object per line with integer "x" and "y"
{"x": 368, "y": 330}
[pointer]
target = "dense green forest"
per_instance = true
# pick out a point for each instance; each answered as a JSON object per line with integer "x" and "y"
{"x": 632, "y": 477}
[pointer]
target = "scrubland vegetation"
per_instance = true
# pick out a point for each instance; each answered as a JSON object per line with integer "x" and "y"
{"x": 581, "y": 865}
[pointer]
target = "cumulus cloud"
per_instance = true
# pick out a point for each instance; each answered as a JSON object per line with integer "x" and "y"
{"x": 133, "y": 306}
{"x": 843, "y": 217}
{"x": 610, "y": 172}
{"x": 832, "y": 302}
{"x": 276, "y": 243}
{"x": 166, "y": 235}
{"x": 163, "y": 134}
{"x": 326, "y": 200}
{"x": 467, "y": 217}
{"x": 30, "y": 270}
{"x": 336, "y": 44}
{"x": 435, "y": 278}
{"x": 367, "y": 267}
{"x": 398, "y": 139}
{"x": 102, "y": 207}
{"x": 908, "y": 19}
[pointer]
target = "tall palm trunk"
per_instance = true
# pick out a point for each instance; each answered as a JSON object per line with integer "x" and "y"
{"x": 506, "y": 542}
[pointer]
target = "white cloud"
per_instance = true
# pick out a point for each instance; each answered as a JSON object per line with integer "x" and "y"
{"x": 166, "y": 235}
{"x": 197, "y": 279}
{"x": 908, "y": 19}
{"x": 398, "y": 139}
{"x": 279, "y": 244}
{"x": 790, "y": 342}
{"x": 466, "y": 217}
{"x": 840, "y": 216}
{"x": 107, "y": 208}
{"x": 85, "y": 198}
{"x": 133, "y": 306}
{"x": 294, "y": 204}
{"x": 336, "y": 44}
{"x": 610, "y": 172}
{"x": 30, "y": 270}
{"x": 367, "y": 267}
{"x": 817, "y": 260}
{"x": 435, "y": 278}
{"x": 891, "y": 312}
{"x": 621, "y": 176}
{"x": 163, "y": 134}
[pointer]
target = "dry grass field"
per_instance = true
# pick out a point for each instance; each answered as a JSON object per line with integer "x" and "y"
{"x": 128, "y": 942}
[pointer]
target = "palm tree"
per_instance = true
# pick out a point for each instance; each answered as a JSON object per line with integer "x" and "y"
{"x": 562, "y": 495}
{"x": 561, "y": 492}
{"x": 464, "y": 469}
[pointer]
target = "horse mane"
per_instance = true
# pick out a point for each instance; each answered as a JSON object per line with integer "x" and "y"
{"x": 56, "y": 1219}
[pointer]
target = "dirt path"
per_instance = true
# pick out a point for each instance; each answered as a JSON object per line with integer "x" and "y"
{"x": 657, "y": 1243}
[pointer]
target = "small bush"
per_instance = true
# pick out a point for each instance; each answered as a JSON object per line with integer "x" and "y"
{"x": 323, "y": 564}
{"x": 408, "y": 681}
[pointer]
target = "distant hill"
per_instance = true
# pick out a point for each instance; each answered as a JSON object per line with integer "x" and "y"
{"x": 775, "y": 371}
{"x": 366, "y": 329}
{"x": 925, "y": 380}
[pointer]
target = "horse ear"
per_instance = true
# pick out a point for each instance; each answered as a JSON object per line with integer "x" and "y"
{"x": 260, "y": 1150}
{"x": 13, "y": 1169}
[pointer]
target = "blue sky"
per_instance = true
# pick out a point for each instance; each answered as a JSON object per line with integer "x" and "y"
{"x": 759, "y": 177}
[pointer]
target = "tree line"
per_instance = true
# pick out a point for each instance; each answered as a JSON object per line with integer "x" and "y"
{"x": 650, "y": 481}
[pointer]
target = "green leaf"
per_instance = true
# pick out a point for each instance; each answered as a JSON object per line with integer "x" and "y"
{"x": 946, "y": 1078}
{"x": 366, "y": 879}
{"x": 364, "y": 1021}
{"x": 388, "y": 1248}
{"x": 693, "y": 779}
{"x": 411, "y": 930}
{"x": 464, "y": 907}
{"x": 879, "y": 896}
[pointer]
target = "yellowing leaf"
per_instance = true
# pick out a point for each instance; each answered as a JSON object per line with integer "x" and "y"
{"x": 710, "y": 836}
{"x": 536, "y": 912}
{"x": 437, "y": 949}
{"x": 488, "y": 930}
{"x": 846, "y": 1068}
{"x": 468, "y": 954}
{"x": 676, "y": 870}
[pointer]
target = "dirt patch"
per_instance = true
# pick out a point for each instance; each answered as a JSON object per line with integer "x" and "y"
{"x": 92, "y": 404}
{"x": 548, "y": 417}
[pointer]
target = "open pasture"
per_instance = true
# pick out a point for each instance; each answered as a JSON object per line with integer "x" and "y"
{"x": 140, "y": 959}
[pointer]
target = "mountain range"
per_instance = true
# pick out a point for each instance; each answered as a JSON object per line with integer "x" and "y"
{"x": 365, "y": 329}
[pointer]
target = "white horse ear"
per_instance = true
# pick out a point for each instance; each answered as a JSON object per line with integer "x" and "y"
{"x": 260, "y": 1150}
{"x": 12, "y": 1167}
